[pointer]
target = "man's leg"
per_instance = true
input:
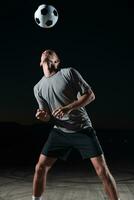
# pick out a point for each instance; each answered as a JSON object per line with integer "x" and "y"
{"x": 40, "y": 175}
{"x": 104, "y": 174}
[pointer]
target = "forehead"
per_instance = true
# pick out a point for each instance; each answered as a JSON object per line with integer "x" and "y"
{"x": 49, "y": 52}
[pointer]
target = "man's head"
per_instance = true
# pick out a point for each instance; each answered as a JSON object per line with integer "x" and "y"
{"x": 51, "y": 58}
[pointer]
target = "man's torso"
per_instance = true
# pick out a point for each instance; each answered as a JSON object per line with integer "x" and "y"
{"x": 59, "y": 90}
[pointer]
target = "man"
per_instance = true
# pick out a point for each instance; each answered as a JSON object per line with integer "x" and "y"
{"x": 62, "y": 95}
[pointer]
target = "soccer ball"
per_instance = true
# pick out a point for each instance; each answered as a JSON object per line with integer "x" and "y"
{"x": 46, "y": 16}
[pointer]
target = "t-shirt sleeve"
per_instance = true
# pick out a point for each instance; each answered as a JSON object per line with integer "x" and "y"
{"x": 41, "y": 102}
{"x": 80, "y": 84}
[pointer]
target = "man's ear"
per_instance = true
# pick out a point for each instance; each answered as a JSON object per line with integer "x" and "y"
{"x": 57, "y": 64}
{"x": 57, "y": 61}
{"x": 40, "y": 64}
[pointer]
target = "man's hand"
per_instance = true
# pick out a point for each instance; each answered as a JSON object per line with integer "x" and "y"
{"x": 82, "y": 101}
{"x": 60, "y": 112}
{"x": 43, "y": 115}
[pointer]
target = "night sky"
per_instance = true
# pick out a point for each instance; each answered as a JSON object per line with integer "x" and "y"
{"x": 95, "y": 37}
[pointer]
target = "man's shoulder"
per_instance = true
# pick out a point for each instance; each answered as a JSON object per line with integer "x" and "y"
{"x": 39, "y": 82}
{"x": 67, "y": 69}
{"x": 70, "y": 72}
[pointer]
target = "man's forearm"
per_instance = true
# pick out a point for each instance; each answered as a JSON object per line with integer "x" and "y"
{"x": 82, "y": 101}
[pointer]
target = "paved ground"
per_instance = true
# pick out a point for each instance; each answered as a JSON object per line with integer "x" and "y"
{"x": 66, "y": 181}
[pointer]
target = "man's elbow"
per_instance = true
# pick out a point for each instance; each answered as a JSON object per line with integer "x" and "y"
{"x": 91, "y": 95}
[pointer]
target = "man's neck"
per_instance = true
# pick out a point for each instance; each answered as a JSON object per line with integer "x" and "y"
{"x": 48, "y": 71}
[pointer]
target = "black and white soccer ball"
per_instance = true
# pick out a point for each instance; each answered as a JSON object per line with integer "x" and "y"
{"x": 46, "y": 16}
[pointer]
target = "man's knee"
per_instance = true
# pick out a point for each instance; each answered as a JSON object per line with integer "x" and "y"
{"x": 103, "y": 172}
{"x": 44, "y": 164}
{"x": 42, "y": 169}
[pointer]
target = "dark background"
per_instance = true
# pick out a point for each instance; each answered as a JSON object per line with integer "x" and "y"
{"x": 96, "y": 38}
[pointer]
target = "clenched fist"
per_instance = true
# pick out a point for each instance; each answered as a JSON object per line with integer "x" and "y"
{"x": 60, "y": 112}
{"x": 43, "y": 115}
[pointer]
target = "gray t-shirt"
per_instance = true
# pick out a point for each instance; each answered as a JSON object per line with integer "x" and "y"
{"x": 59, "y": 90}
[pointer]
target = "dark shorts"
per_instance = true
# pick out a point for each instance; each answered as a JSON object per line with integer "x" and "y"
{"x": 59, "y": 144}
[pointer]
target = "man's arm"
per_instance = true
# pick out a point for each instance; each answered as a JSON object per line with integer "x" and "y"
{"x": 43, "y": 112}
{"x": 82, "y": 101}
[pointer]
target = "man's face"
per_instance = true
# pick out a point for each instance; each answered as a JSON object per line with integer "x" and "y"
{"x": 48, "y": 56}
